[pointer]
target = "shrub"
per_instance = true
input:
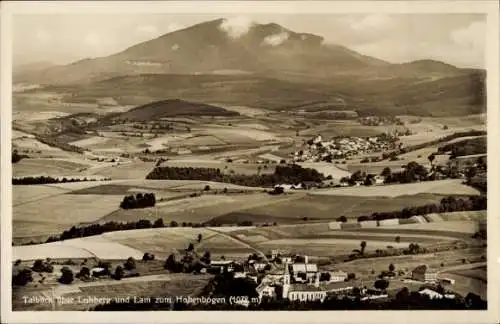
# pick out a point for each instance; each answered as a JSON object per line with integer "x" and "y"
{"x": 158, "y": 223}
{"x": 66, "y": 276}
{"x": 42, "y": 266}
{"x": 381, "y": 284}
{"x": 207, "y": 188}
{"x": 148, "y": 257}
{"x": 84, "y": 273}
{"x": 22, "y": 277}
{"x": 129, "y": 264}
{"x": 118, "y": 273}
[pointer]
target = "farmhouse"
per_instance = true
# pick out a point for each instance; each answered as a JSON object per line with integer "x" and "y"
{"x": 379, "y": 180}
{"x": 337, "y": 276}
{"x": 266, "y": 290}
{"x": 259, "y": 266}
{"x": 424, "y": 273}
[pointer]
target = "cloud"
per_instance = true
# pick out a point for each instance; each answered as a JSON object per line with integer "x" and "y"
{"x": 370, "y": 23}
{"x": 276, "y": 39}
{"x": 472, "y": 36}
{"x": 237, "y": 26}
{"x": 174, "y": 27}
{"x": 149, "y": 30}
{"x": 175, "y": 47}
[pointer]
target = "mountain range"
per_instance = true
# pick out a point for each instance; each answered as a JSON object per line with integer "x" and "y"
{"x": 268, "y": 55}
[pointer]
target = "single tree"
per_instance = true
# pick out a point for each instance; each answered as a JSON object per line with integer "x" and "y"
{"x": 66, "y": 276}
{"x": 391, "y": 267}
{"x": 129, "y": 264}
{"x": 363, "y": 247}
{"x": 119, "y": 273}
{"x": 431, "y": 159}
{"x": 158, "y": 223}
{"x": 397, "y": 239}
{"x": 200, "y": 237}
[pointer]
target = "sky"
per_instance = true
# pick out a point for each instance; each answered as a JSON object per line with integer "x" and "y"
{"x": 457, "y": 39}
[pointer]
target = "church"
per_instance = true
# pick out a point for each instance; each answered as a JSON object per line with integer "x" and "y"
{"x": 309, "y": 291}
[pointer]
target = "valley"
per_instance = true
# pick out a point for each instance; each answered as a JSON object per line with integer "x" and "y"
{"x": 345, "y": 161}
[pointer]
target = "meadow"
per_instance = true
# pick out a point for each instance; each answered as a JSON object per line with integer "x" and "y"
{"x": 323, "y": 207}
{"x": 50, "y": 167}
{"x": 439, "y": 187}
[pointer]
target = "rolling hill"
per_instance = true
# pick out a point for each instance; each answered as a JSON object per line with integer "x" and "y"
{"x": 169, "y": 108}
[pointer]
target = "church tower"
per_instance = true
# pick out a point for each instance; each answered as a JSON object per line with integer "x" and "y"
{"x": 286, "y": 281}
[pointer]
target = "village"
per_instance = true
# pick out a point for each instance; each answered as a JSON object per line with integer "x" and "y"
{"x": 294, "y": 278}
{"x": 318, "y": 149}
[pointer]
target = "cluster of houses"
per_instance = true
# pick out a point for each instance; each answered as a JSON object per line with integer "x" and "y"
{"x": 319, "y": 149}
{"x": 297, "y": 279}
{"x": 379, "y": 120}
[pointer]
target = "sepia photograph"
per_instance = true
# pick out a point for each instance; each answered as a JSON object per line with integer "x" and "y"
{"x": 248, "y": 160}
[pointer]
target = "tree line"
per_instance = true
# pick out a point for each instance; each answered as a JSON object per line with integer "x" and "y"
{"x": 292, "y": 174}
{"x": 138, "y": 201}
{"x": 48, "y": 180}
{"x": 54, "y": 142}
{"x": 97, "y": 229}
{"x": 16, "y": 157}
{"x": 465, "y": 147}
{"x": 410, "y": 148}
{"x": 446, "y": 205}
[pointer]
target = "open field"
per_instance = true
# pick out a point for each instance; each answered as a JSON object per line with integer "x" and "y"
{"x": 329, "y": 129}
{"x": 364, "y": 267}
{"x": 460, "y": 226}
{"x": 317, "y": 207}
{"x": 479, "y": 273}
{"x": 226, "y": 167}
{"x": 39, "y": 217}
{"x": 193, "y": 209}
{"x": 327, "y": 169}
{"x": 50, "y": 167}
{"x": 25, "y": 194}
{"x": 32, "y": 144}
{"x": 162, "y": 285}
{"x": 134, "y": 243}
{"x": 237, "y": 134}
{"x": 134, "y": 170}
{"x": 325, "y": 247}
{"x": 441, "y": 187}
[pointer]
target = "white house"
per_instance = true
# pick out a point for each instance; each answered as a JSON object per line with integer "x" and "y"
{"x": 336, "y": 276}
{"x": 259, "y": 266}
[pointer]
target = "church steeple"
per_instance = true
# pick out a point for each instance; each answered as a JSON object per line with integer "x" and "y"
{"x": 286, "y": 281}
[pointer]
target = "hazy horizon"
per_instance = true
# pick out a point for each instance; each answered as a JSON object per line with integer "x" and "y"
{"x": 457, "y": 39}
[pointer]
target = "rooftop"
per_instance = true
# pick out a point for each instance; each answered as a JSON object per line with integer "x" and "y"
{"x": 304, "y": 267}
